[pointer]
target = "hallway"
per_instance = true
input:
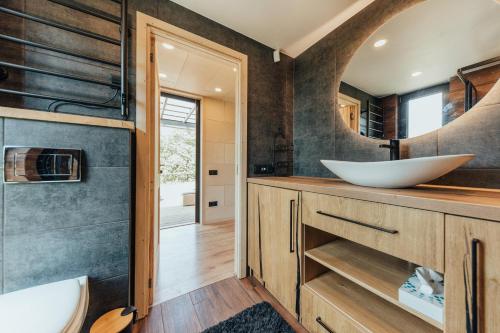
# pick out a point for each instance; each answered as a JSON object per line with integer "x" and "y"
{"x": 194, "y": 256}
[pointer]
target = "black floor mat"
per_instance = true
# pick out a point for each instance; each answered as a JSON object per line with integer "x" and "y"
{"x": 260, "y": 318}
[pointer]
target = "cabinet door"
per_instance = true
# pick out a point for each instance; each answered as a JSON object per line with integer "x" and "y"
{"x": 254, "y": 239}
{"x": 472, "y": 247}
{"x": 279, "y": 226}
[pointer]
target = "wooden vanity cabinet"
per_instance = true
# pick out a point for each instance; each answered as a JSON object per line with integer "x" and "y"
{"x": 273, "y": 220}
{"x": 253, "y": 234}
{"x": 472, "y": 247}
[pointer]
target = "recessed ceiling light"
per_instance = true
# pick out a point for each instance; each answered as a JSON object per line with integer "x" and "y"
{"x": 217, "y": 89}
{"x": 414, "y": 74}
{"x": 380, "y": 42}
{"x": 168, "y": 46}
{"x": 163, "y": 75}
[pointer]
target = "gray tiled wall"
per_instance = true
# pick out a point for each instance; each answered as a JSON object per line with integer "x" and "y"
{"x": 56, "y": 231}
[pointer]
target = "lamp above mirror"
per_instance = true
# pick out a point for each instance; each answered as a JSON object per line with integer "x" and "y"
{"x": 422, "y": 69}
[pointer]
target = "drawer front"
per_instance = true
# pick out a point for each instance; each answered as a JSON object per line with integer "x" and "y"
{"x": 320, "y": 317}
{"x": 411, "y": 234}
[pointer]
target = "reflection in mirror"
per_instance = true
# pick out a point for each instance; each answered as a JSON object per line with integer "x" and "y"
{"x": 422, "y": 69}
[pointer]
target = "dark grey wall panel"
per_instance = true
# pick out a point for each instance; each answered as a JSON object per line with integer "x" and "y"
{"x": 476, "y": 132}
{"x": 101, "y": 197}
{"x": 107, "y": 147}
{"x": 56, "y": 231}
{"x": 101, "y": 252}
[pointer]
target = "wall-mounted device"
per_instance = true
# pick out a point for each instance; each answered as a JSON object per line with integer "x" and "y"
{"x": 33, "y": 165}
{"x": 263, "y": 169}
{"x": 213, "y": 204}
{"x": 213, "y": 172}
{"x": 276, "y": 55}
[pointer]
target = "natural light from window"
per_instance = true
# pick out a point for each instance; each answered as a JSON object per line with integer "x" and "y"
{"x": 425, "y": 114}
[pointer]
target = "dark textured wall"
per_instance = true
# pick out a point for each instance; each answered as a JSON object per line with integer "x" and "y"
{"x": 319, "y": 133}
{"x": 57, "y": 231}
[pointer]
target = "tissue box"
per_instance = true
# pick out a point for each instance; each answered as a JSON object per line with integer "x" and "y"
{"x": 430, "y": 305}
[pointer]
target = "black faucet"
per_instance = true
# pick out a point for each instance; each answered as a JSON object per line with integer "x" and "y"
{"x": 394, "y": 148}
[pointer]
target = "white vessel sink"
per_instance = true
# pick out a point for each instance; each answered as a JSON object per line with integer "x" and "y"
{"x": 396, "y": 174}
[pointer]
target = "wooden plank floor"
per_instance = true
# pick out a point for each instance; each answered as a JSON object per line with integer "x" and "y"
{"x": 193, "y": 256}
{"x": 200, "y": 309}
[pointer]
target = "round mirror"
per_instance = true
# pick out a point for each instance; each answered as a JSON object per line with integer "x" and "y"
{"x": 422, "y": 69}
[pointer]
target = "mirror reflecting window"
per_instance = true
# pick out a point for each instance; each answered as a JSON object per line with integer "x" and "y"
{"x": 425, "y": 114}
{"x": 422, "y": 69}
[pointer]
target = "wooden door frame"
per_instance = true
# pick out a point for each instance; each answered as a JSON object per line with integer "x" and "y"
{"x": 356, "y": 102}
{"x": 146, "y": 169}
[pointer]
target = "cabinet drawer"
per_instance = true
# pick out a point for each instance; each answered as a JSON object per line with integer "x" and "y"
{"x": 320, "y": 317}
{"x": 411, "y": 234}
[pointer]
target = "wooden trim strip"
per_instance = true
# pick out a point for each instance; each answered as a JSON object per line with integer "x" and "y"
{"x": 17, "y": 113}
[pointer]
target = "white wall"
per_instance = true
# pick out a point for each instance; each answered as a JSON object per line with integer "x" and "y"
{"x": 218, "y": 148}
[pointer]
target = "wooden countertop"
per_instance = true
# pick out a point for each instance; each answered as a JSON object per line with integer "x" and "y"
{"x": 471, "y": 202}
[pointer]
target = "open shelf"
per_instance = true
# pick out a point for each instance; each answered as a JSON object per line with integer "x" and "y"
{"x": 375, "y": 271}
{"x": 365, "y": 308}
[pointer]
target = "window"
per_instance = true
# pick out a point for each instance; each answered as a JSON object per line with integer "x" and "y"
{"x": 178, "y": 110}
{"x": 425, "y": 114}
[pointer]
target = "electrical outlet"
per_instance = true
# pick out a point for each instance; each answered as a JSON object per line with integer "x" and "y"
{"x": 263, "y": 169}
{"x": 213, "y": 204}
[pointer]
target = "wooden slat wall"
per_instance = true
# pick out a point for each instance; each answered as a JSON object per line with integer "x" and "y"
{"x": 11, "y": 52}
{"x": 390, "y": 107}
{"x": 482, "y": 79}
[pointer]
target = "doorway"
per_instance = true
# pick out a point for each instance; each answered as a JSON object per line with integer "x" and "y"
{"x": 148, "y": 91}
{"x": 350, "y": 110}
{"x": 179, "y": 160}
{"x": 197, "y": 135}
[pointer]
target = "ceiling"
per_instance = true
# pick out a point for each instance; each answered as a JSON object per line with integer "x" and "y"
{"x": 195, "y": 72}
{"x": 435, "y": 37}
{"x": 289, "y": 25}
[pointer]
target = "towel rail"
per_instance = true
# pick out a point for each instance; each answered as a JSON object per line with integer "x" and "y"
{"x": 88, "y": 10}
{"x": 58, "y": 25}
{"x": 61, "y": 99}
{"x": 57, "y": 50}
{"x": 58, "y": 74}
{"x": 122, "y": 42}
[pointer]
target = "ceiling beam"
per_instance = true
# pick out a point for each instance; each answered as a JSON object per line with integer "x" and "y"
{"x": 190, "y": 113}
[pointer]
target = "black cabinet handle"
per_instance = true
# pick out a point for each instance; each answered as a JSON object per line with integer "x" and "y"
{"x": 292, "y": 207}
{"x": 475, "y": 323}
{"x": 260, "y": 237}
{"x": 389, "y": 231}
{"x": 318, "y": 319}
